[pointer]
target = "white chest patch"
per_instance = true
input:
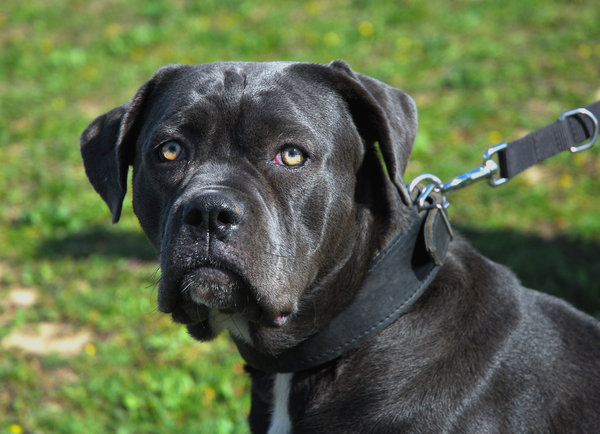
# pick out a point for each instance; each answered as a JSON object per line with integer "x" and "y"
{"x": 280, "y": 418}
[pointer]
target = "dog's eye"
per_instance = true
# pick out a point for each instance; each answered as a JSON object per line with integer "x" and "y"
{"x": 171, "y": 151}
{"x": 291, "y": 157}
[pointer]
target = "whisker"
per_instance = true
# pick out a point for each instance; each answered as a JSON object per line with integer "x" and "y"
{"x": 155, "y": 278}
{"x": 186, "y": 287}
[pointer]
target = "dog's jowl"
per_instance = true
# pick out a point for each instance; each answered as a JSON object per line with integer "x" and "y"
{"x": 262, "y": 187}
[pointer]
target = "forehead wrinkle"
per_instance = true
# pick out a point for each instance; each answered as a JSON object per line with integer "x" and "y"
{"x": 234, "y": 84}
{"x": 220, "y": 94}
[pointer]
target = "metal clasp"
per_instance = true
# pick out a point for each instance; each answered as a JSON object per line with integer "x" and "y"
{"x": 488, "y": 170}
{"x": 431, "y": 197}
{"x": 432, "y": 193}
{"x": 425, "y": 198}
{"x": 589, "y": 114}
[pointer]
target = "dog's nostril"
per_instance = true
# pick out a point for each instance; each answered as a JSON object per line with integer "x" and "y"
{"x": 228, "y": 217}
{"x": 192, "y": 216}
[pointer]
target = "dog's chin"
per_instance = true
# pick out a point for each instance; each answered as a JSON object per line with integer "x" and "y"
{"x": 203, "y": 290}
{"x": 214, "y": 299}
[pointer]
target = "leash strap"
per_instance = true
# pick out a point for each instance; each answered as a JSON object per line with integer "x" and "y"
{"x": 567, "y": 133}
{"x": 398, "y": 277}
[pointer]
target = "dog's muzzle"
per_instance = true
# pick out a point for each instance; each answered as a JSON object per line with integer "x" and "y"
{"x": 204, "y": 267}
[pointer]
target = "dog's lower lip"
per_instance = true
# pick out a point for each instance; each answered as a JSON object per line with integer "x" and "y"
{"x": 213, "y": 287}
{"x": 213, "y": 270}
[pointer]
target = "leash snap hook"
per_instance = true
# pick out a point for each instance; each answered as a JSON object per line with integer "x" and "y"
{"x": 488, "y": 170}
{"x": 493, "y": 180}
{"x": 590, "y": 115}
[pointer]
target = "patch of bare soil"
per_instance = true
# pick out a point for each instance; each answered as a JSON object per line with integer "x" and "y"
{"x": 41, "y": 338}
{"x": 46, "y": 338}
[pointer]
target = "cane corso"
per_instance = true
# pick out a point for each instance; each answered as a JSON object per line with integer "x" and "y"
{"x": 269, "y": 191}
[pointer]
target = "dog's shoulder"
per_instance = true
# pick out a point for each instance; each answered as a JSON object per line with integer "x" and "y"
{"x": 478, "y": 346}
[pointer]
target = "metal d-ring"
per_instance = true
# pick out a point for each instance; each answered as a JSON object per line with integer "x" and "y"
{"x": 424, "y": 199}
{"x": 589, "y": 114}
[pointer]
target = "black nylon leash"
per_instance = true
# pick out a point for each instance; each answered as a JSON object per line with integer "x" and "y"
{"x": 567, "y": 133}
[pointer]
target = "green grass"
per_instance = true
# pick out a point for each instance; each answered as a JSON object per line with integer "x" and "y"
{"x": 480, "y": 71}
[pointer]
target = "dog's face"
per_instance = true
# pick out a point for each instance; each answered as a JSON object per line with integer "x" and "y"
{"x": 260, "y": 186}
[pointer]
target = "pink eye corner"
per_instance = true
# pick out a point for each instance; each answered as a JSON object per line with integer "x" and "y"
{"x": 278, "y": 160}
{"x": 290, "y": 157}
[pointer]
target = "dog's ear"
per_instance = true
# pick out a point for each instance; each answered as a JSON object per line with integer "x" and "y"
{"x": 383, "y": 114}
{"x": 106, "y": 156}
{"x": 108, "y": 145}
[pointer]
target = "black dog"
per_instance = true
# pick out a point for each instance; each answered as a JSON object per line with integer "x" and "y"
{"x": 262, "y": 188}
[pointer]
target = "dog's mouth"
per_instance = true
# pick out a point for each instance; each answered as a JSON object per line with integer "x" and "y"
{"x": 215, "y": 291}
{"x": 215, "y": 288}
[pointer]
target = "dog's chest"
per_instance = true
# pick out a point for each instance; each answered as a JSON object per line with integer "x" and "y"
{"x": 280, "y": 417}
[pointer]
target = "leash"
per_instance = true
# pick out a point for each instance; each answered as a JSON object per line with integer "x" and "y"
{"x": 401, "y": 273}
{"x": 569, "y": 132}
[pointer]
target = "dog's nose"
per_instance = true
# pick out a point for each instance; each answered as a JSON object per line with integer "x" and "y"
{"x": 214, "y": 211}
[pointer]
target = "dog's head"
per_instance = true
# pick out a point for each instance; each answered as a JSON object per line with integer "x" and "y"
{"x": 261, "y": 186}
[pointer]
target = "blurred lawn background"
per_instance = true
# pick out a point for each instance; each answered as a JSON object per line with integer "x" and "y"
{"x": 83, "y": 347}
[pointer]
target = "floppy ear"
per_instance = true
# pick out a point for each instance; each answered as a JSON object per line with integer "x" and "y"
{"x": 108, "y": 145}
{"x": 383, "y": 114}
{"x": 106, "y": 157}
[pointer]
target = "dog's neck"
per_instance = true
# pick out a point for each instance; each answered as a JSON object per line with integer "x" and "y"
{"x": 397, "y": 278}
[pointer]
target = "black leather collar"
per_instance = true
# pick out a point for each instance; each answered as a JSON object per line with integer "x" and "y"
{"x": 398, "y": 277}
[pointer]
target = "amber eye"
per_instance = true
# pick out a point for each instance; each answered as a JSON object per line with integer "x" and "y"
{"x": 292, "y": 157}
{"x": 171, "y": 151}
